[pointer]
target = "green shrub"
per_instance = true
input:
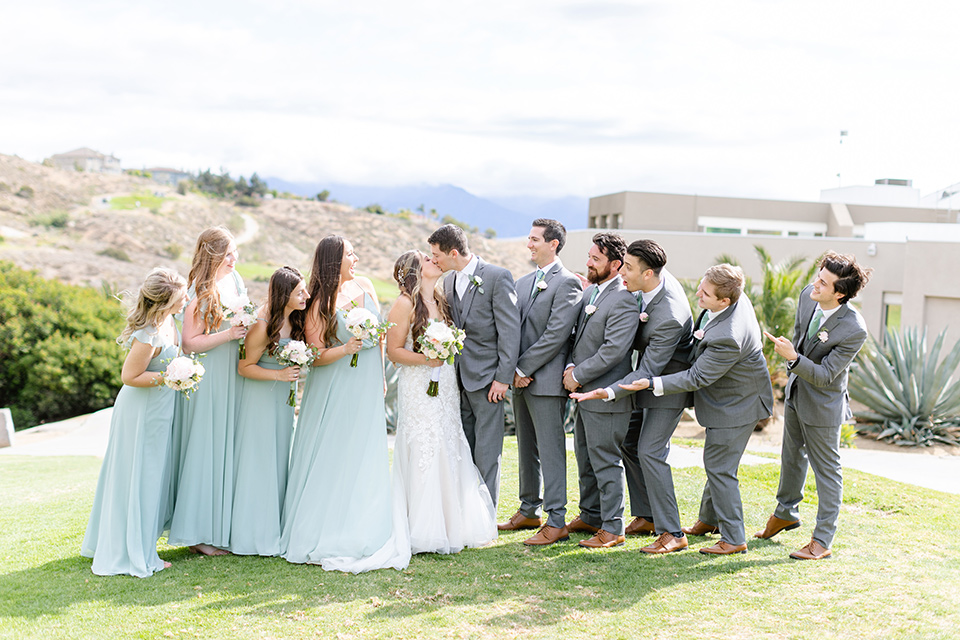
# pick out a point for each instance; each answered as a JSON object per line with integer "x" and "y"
{"x": 115, "y": 253}
{"x": 248, "y": 201}
{"x": 173, "y": 250}
{"x": 26, "y": 191}
{"x": 54, "y": 219}
{"x": 58, "y": 355}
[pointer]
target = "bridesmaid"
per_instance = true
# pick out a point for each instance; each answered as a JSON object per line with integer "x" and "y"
{"x": 265, "y": 421}
{"x": 338, "y": 502}
{"x": 128, "y": 509}
{"x": 204, "y": 490}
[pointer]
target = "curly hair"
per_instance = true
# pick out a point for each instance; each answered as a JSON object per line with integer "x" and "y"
{"x": 212, "y": 246}
{"x": 160, "y": 294}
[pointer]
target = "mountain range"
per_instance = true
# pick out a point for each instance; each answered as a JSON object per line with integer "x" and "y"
{"x": 508, "y": 216}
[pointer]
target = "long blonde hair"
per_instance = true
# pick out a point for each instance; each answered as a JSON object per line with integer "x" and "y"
{"x": 160, "y": 294}
{"x": 406, "y": 271}
{"x": 211, "y": 250}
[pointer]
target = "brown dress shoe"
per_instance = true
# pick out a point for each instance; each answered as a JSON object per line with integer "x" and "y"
{"x": 579, "y": 526}
{"x": 547, "y": 535}
{"x": 519, "y": 521}
{"x": 700, "y": 529}
{"x": 640, "y": 527}
{"x": 724, "y": 549}
{"x": 603, "y": 540}
{"x": 774, "y": 526}
{"x": 666, "y": 543}
{"x": 813, "y": 550}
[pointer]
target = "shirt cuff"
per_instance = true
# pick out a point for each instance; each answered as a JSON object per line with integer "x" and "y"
{"x": 658, "y": 386}
{"x": 611, "y": 396}
{"x": 521, "y": 373}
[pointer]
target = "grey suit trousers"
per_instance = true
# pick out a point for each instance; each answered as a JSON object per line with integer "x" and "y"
{"x": 720, "y": 505}
{"x": 483, "y": 426}
{"x": 818, "y": 447}
{"x": 541, "y": 445}
{"x": 649, "y": 477}
{"x": 597, "y": 439}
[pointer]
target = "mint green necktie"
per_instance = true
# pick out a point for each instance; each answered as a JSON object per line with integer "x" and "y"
{"x": 814, "y": 324}
{"x": 536, "y": 281}
{"x": 593, "y": 296}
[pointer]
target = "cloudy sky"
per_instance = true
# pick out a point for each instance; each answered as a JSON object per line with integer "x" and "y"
{"x": 538, "y": 97}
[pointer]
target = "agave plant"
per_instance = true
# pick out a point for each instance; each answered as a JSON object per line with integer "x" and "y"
{"x": 908, "y": 390}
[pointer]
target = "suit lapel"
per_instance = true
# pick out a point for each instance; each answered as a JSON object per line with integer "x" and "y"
{"x": 450, "y": 290}
{"x": 596, "y": 303}
{"x": 829, "y": 325}
{"x": 472, "y": 289}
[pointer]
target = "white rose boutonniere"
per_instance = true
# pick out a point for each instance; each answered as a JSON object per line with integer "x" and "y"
{"x": 824, "y": 336}
{"x": 698, "y": 334}
{"x": 590, "y": 309}
{"x": 476, "y": 281}
{"x": 542, "y": 285}
{"x": 643, "y": 316}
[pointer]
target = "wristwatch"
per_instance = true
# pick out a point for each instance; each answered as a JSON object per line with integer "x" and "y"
{"x": 793, "y": 363}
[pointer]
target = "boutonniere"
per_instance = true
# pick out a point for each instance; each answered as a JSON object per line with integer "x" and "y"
{"x": 590, "y": 309}
{"x": 542, "y": 285}
{"x": 698, "y": 334}
{"x": 643, "y": 316}
{"x": 476, "y": 281}
{"x": 824, "y": 336}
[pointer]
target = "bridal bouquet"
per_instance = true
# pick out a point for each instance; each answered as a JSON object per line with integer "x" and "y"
{"x": 296, "y": 354}
{"x": 239, "y": 311}
{"x": 183, "y": 373}
{"x": 440, "y": 341}
{"x": 364, "y": 324}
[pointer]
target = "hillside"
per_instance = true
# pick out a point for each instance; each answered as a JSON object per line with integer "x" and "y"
{"x": 109, "y": 231}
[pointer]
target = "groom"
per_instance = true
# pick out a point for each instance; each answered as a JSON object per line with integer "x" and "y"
{"x": 483, "y": 302}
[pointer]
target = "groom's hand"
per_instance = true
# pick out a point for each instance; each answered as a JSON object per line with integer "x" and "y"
{"x": 497, "y": 391}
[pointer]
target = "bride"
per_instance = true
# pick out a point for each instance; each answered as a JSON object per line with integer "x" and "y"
{"x": 448, "y": 506}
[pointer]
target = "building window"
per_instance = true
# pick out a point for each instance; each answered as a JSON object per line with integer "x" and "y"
{"x": 603, "y": 222}
{"x": 615, "y": 221}
{"x": 892, "y": 306}
{"x": 593, "y": 222}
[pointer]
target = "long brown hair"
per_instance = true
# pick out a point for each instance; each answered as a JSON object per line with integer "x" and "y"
{"x": 282, "y": 283}
{"x": 324, "y": 284}
{"x": 159, "y": 295}
{"x": 406, "y": 271}
{"x": 211, "y": 250}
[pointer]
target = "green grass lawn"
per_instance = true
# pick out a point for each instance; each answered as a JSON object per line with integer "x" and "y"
{"x": 895, "y": 574}
{"x": 143, "y": 199}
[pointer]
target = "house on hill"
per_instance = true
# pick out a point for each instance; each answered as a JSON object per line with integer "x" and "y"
{"x": 172, "y": 177}
{"x": 85, "y": 159}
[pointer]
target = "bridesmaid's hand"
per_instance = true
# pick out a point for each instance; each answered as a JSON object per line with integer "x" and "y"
{"x": 237, "y": 332}
{"x": 288, "y": 374}
{"x": 352, "y": 346}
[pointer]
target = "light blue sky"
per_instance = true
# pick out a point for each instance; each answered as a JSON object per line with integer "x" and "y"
{"x": 524, "y": 97}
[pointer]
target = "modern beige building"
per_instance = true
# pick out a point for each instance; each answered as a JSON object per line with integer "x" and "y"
{"x": 85, "y": 159}
{"x": 914, "y": 250}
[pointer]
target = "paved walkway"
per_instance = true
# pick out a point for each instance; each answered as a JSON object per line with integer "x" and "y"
{"x": 87, "y": 436}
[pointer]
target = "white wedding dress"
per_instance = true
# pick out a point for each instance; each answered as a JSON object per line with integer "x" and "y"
{"x": 448, "y": 506}
{"x": 440, "y": 504}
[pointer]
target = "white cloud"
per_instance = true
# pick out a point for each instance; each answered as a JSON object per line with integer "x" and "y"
{"x": 737, "y": 98}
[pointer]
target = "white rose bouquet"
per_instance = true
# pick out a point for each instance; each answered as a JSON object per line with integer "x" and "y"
{"x": 296, "y": 354}
{"x": 364, "y": 324}
{"x": 440, "y": 341}
{"x": 240, "y": 312}
{"x": 183, "y": 373}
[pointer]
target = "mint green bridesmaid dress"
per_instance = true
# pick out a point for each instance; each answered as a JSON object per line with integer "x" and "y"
{"x": 261, "y": 455}
{"x": 128, "y": 508}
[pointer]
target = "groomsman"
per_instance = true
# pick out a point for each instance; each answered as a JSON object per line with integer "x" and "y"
{"x": 483, "y": 302}
{"x": 732, "y": 393}
{"x": 549, "y": 301}
{"x": 827, "y": 336}
{"x": 664, "y": 343}
{"x": 607, "y": 324}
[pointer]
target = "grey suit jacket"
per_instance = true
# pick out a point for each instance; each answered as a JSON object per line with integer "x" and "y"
{"x": 491, "y": 322}
{"x": 817, "y": 387}
{"x": 729, "y": 374}
{"x": 602, "y": 342}
{"x": 546, "y": 323}
{"x": 664, "y": 343}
